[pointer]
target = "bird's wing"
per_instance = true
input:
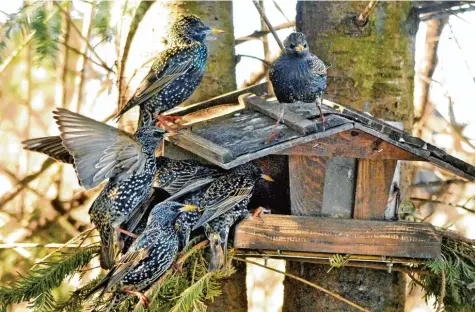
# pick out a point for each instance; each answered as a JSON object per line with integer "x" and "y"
{"x": 171, "y": 64}
{"x": 51, "y": 146}
{"x": 318, "y": 67}
{"x": 138, "y": 251}
{"x": 223, "y": 195}
{"x": 99, "y": 151}
{"x": 191, "y": 187}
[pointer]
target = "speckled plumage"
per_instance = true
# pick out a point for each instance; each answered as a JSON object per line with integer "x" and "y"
{"x": 298, "y": 75}
{"x": 224, "y": 203}
{"x": 102, "y": 152}
{"x": 151, "y": 254}
{"x": 176, "y": 73}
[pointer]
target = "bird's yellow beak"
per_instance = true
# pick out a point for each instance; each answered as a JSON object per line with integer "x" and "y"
{"x": 188, "y": 208}
{"x": 299, "y": 48}
{"x": 267, "y": 178}
{"x": 217, "y": 31}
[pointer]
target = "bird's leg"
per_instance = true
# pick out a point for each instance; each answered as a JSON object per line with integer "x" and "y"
{"x": 258, "y": 212}
{"x": 127, "y": 233}
{"x": 164, "y": 120}
{"x": 142, "y": 298}
{"x": 177, "y": 267}
{"x": 321, "y": 113}
{"x": 274, "y": 131}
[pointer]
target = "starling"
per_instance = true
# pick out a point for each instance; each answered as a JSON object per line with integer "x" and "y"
{"x": 151, "y": 254}
{"x": 298, "y": 75}
{"x": 176, "y": 72}
{"x": 179, "y": 178}
{"x": 225, "y": 202}
{"x": 102, "y": 152}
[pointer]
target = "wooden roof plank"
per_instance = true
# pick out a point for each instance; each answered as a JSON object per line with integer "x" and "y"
{"x": 273, "y": 108}
{"x": 343, "y": 236}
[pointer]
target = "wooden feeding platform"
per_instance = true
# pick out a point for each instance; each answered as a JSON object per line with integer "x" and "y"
{"x": 340, "y": 181}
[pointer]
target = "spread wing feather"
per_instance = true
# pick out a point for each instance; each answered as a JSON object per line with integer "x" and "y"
{"x": 100, "y": 151}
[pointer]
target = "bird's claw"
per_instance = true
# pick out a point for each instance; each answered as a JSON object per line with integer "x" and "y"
{"x": 163, "y": 120}
{"x": 178, "y": 267}
{"x": 144, "y": 301}
{"x": 273, "y": 136}
{"x": 258, "y": 212}
{"x": 127, "y": 233}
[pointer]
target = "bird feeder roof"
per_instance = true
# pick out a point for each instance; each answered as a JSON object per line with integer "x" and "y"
{"x": 247, "y": 117}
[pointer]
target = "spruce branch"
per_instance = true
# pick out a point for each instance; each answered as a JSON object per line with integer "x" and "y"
{"x": 37, "y": 285}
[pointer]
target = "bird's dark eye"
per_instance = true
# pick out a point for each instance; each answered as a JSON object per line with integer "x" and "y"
{"x": 305, "y": 46}
{"x": 292, "y": 46}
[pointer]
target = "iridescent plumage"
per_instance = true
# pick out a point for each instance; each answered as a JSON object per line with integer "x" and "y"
{"x": 151, "y": 254}
{"x": 176, "y": 72}
{"x": 102, "y": 152}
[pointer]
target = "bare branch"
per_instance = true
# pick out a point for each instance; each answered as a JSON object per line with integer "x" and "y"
{"x": 141, "y": 10}
{"x": 268, "y": 23}
{"x": 261, "y": 33}
{"x": 363, "y": 17}
{"x": 432, "y": 201}
{"x": 93, "y": 51}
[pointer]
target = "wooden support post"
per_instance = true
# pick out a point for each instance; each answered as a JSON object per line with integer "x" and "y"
{"x": 374, "y": 178}
{"x": 306, "y": 183}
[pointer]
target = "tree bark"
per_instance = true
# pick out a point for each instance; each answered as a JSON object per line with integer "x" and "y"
{"x": 371, "y": 70}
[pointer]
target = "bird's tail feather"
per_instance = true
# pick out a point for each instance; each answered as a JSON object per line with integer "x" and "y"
{"x": 107, "y": 255}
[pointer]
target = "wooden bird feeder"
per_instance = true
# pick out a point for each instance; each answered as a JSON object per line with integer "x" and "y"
{"x": 334, "y": 186}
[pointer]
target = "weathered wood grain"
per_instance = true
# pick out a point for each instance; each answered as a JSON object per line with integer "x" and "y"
{"x": 352, "y": 144}
{"x": 231, "y": 97}
{"x": 201, "y": 146}
{"x": 244, "y": 132}
{"x": 374, "y": 177}
{"x": 306, "y": 184}
{"x": 273, "y": 108}
{"x": 339, "y": 187}
{"x": 343, "y": 236}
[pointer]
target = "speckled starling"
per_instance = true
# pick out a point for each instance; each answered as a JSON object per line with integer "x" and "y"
{"x": 226, "y": 201}
{"x": 102, "y": 152}
{"x": 175, "y": 74}
{"x": 179, "y": 178}
{"x": 298, "y": 75}
{"x": 151, "y": 254}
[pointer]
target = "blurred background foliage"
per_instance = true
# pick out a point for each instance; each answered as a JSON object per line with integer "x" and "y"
{"x": 67, "y": 54}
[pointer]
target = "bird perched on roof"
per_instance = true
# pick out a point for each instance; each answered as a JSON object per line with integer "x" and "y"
{"x": 176, "y": 72}
{"x": 151, "y": 254}
{"x": 298, "y": 75}
{"x": 102, "y": 152}
{"x": 224, "y": 203}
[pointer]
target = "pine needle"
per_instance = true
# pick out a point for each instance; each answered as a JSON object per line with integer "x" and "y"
{"x": 37, "y": 285}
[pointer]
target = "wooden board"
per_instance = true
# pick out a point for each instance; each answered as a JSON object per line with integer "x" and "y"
{"x": 374, "y": 178}
{"x": 306, "y": 184}
{"x": 352, "y": 144}
{"x": 343, "y": 236}
{"x": 272, "y": 109}
{"x": 201, "y": 146}
{"x": 244, "y": 132}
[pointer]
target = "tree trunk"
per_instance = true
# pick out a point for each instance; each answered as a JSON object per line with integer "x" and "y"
{"x": 371, "y": 70}
{"x": 219, "y": 79}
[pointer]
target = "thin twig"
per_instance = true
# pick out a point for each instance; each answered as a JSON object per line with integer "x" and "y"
{"x": 265, "y": 62}
{"x": 75, "y": 50}
{"x": 337, "y": 296}
{"x": 261, "y": 33}
{"x": 434, "y": 201}
{"x": 410, "y": 275}
{"x": 141, "y": 10}
{"x": 64, "y": 73}
{"x": 280, "y": 10}
{"x": 35, "y": 245}
{"x": 270, "y": 27}
{"x": 24, "y": 182}
{"x": 16, "y": 52}
{"x": 363, "y": 17}
{"x": 81, "y": 36}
